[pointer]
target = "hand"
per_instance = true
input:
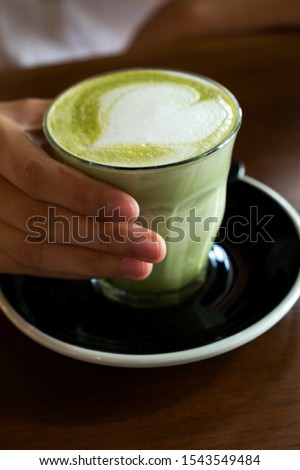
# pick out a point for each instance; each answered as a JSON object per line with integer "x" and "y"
{"x": 49, "y": 220}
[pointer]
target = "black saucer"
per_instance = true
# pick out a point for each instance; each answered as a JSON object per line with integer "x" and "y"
{"x": 253, "y": 282}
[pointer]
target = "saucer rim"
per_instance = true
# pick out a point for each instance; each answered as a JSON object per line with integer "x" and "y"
{"x": 178, "y": 357}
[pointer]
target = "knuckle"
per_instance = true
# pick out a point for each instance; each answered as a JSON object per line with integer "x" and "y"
{"x": 84, "y": 198}
{"x": 78, "y": 188}
{"x": 31, "y": 176}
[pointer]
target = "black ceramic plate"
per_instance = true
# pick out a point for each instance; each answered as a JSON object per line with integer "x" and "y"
{"x": 253, "y": 282}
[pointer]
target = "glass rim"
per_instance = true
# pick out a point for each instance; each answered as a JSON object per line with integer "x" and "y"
{"x": 90, "y": 163}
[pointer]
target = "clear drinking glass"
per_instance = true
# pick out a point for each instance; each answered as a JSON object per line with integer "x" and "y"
{"x": 183, "y": 201}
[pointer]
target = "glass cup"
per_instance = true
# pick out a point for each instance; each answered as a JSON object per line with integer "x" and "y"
{"x": 183, "y": 201}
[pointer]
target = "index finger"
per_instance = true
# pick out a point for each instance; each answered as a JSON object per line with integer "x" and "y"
{"x": 32, "y": 170}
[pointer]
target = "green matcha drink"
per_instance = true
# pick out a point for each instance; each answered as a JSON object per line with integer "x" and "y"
{"x": 166, "y": 138}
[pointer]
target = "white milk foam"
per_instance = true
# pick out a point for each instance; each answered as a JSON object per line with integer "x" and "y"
{"x": 144, "y": 121}
{"x": 158, "y": 114}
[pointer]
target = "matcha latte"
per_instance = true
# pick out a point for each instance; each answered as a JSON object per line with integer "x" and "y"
{"x": 141, "y": 118}
{"x": 166, "y": 138}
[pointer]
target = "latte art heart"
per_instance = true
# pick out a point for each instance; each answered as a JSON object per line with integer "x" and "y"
{"x": 162, "y": 114}
{"x": 141, "y": 118}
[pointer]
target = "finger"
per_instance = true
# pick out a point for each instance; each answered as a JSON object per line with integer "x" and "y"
{"x": 26, "y": 113}
{"x": 33, "y": 171}
{"x": 65, "y": 260}
{"x": 53, "y": 224}
{"x": 11, "y": 266}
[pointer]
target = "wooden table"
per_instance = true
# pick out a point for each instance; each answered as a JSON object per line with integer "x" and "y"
{"x": 248, "y": 398}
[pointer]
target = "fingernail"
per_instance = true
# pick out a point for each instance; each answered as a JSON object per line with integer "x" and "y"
{"x": 134, "y": 269}
{"x": 152, "y": 249}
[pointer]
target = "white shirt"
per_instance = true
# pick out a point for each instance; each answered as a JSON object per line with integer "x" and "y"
{"x": 38, "y": 32}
